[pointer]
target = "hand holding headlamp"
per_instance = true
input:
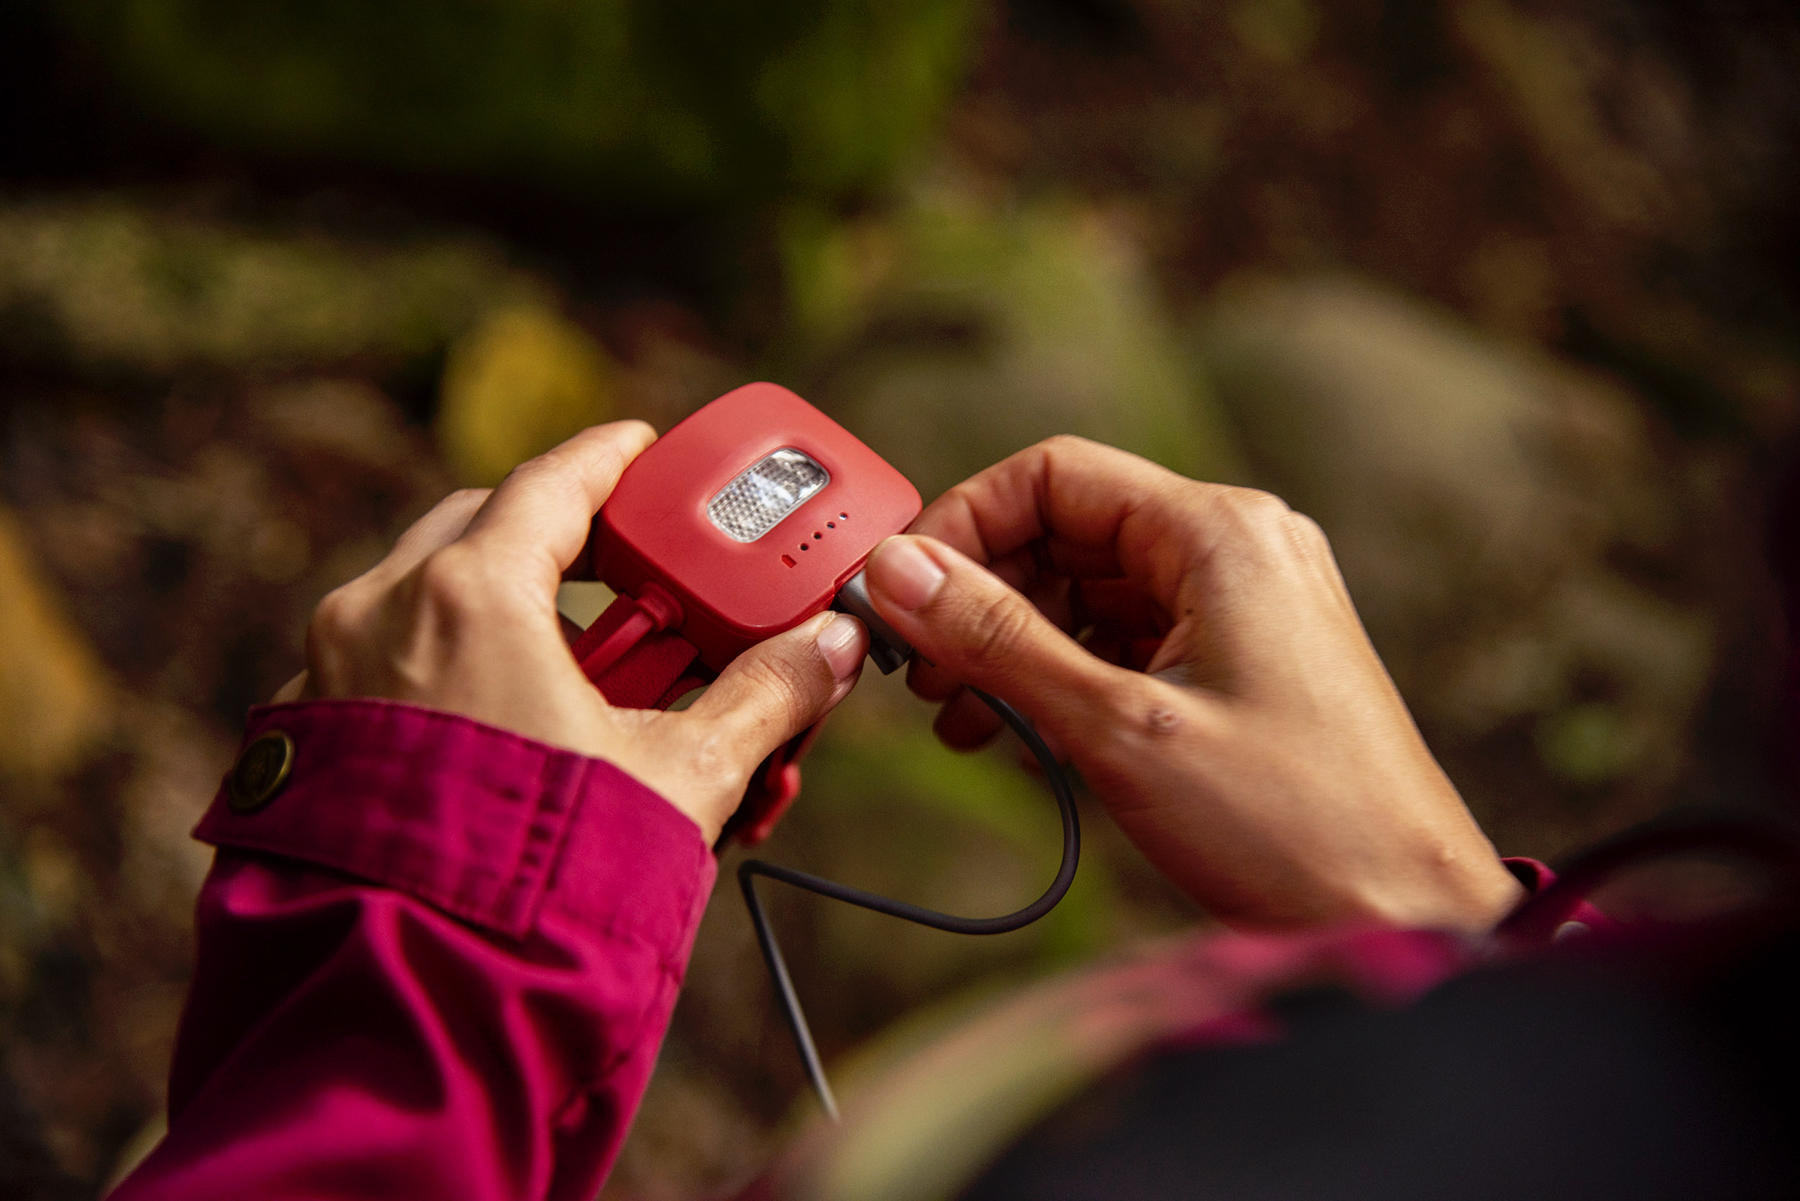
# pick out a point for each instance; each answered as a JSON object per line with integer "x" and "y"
{"x": 754, "y": 514}
{"x": 748, "y": 517}
{"x": 741, "y": 522}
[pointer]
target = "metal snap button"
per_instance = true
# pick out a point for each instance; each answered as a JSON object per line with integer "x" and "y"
{"x": 261, "y": 772}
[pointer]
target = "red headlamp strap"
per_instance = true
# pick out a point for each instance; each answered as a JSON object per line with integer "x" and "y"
{"x": 638, "y": 662}
{"x": 634, "y": 659}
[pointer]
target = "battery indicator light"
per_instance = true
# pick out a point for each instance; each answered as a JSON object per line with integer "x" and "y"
{"x": 755, "y": 502}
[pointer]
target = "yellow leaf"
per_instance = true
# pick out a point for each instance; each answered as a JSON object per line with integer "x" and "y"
{"x": 520, "y": 382}
{"x": 53, "y": 692}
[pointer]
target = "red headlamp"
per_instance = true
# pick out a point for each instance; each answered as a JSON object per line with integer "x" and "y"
{"x": 743, "y": 521}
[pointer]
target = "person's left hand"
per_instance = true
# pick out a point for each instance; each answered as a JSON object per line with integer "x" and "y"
{"x": 461, "y": 616}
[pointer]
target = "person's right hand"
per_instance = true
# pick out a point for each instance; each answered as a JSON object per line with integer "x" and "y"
{"x": 1261, "y": 758}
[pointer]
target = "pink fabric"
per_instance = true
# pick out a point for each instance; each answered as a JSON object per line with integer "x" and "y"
{"x": 1583, "y": 916}
{"x": 438, "y": 964}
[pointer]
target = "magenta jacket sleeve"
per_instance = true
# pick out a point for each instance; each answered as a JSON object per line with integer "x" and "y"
{"x": 438, "y": 962}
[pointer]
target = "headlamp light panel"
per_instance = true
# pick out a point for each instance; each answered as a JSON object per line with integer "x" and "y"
{"x": 752, "y": 513}
{"x": 755, "y": 502}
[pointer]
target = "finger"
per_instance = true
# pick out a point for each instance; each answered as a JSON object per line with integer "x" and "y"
{"x": 1119, "y": 607}
{"x": 929, "y": 682}
{"x": 976, "y": 629}
{"x": 933, "y": 682}
{"x": 1079, "y": 561}
{"x": 1050, "y": 595}
{"x": 293, "y": 690}
{"x": 1055, "y": 596}
{"x": 1098, "y": 510}
{"x": 1020, "y": 569}
{"x": 543, "y": 510}
{"x": 781, "y": 686}
{"x": 1135, "y": 653}
{"x": 965, "y": 723}
{"x": 442, "y": 525}
{"x": 1175, "y": 538}
{"x": 1049, "y": 555}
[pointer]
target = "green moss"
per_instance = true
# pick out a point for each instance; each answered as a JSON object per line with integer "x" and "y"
{"x": 951, "y": 331}
{"x": 1586, "y": 744}
{"x": 644, "y": 99}
{"x": 901, "y": 769}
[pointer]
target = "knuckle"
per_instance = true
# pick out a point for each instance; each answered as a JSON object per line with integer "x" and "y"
{"x": 334, "y": 634}
{"x": 335, "y": 616}
{"x": 468, "y": 498}
{"x": 785, "y": 702}
{"x": 1305, "y": 527}
{"x": 1062, "y": 453}
{"x": 1001, "y": 627}
{"x": 564, "y": 465}
{"x": 1062, "y": 444}
{"x": 453, "y": 581}
{"x": 445, "y": 574}
{"x": 1258, "y": 509}
{"x": 1157, "y": 720}
{"x": 521, "y": 474}
{"x": 1145, "y": 710}
{"x": 1308, "y": 535}
{"x": 553, "y": 469}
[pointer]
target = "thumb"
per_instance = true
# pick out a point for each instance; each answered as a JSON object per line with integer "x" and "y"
{"x": 781, "y": 686}
{"x": 976, "y": 629}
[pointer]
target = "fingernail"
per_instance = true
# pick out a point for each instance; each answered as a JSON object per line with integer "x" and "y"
{"x": 841, "y": 644}
{"x": 908, "y": 575}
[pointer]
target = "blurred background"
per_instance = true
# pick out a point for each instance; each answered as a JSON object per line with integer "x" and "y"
{"x": 1502, "y": 292}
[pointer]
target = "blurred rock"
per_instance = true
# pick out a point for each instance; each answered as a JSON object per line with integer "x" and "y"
{"x": 516, "y": 385}
{"x": 956, "y": 330}
{"x": 1611, "y": 178}
{"x": 1516, "y": 534}
{"x": 54, "y": 697}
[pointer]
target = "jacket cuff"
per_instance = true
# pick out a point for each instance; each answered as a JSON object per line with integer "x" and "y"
{"x": 485, "y": 824}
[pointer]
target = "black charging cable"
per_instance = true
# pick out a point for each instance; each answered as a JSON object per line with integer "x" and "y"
{"x": 765, "y": 934}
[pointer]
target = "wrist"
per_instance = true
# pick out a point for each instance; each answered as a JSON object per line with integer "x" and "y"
{"x": 1473, "y": 897}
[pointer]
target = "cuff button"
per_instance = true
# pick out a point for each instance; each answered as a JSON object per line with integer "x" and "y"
{"x": 261, "y": 772}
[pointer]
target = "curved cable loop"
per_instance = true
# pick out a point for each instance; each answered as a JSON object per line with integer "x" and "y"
{"x": 771, "y": 951}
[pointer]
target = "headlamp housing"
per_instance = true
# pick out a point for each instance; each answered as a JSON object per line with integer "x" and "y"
{"x": 752, "y": 514}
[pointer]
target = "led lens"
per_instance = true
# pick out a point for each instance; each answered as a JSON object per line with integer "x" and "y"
{"x": 755, "y": 502}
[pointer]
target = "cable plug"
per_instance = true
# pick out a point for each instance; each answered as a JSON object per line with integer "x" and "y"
{"x": 887, "y": 650}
